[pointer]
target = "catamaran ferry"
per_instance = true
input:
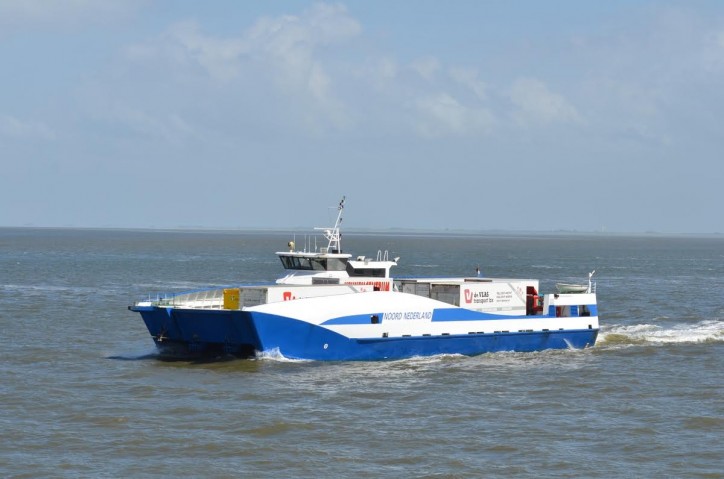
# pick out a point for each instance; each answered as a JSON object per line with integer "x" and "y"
{"x": 329, "y": 305}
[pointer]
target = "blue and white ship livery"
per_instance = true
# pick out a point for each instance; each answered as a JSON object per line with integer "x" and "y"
{"x": 329, "y": 306}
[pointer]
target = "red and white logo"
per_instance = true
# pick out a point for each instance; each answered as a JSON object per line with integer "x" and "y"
{"x": 468, "y": 296}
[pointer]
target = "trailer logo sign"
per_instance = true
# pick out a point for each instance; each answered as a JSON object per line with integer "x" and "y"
{"x": 477, "y": 296}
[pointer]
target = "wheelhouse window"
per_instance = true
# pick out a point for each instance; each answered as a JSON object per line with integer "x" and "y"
{"x": 295, "y": 262}
{"x": 368, "y": 272}
{"x": 316, "y": 264}
{"x": 336, "y": 264}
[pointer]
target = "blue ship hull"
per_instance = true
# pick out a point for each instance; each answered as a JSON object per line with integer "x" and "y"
{"x": 185, "y": 333}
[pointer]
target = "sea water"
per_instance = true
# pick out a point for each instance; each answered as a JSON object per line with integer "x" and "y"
{"x": 83, "y": 394}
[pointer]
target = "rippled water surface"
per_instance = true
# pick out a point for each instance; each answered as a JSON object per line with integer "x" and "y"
{"x": 83, "y": 394}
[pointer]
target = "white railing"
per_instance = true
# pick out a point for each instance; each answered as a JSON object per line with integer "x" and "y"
{"x": 209, "y": 299}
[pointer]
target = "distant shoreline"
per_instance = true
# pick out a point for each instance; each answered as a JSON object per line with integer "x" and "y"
{"x": 377, "y": 231}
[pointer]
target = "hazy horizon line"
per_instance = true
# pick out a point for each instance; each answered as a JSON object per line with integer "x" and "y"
{"x": 367, "y": 230}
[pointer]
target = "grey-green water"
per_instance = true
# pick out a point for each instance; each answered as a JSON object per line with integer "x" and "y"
{"x": 82, "y": 394}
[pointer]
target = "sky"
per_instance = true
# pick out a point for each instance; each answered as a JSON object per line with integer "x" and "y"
{"x": 463, "y": 115}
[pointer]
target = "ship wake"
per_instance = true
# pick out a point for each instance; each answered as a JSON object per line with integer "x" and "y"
{"x": 706, "y": 331}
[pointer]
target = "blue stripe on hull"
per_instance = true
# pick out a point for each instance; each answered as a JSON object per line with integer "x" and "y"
{"x": 300, "y": 340}
{"x": 241, "y": 333}
{"x": 438, "y": 315}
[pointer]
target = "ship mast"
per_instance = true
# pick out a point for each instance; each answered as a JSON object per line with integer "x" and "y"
{"x": 333, "y": 235}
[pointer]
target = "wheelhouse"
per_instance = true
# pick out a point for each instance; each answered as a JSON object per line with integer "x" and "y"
{"x": 313, "y": 263}
{"x": 362, "y": 267}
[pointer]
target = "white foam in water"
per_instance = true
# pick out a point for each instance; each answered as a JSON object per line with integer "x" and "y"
{"x": 425, "y": 360}
{"x": 275, "y": 355}
{"x": 707, "y": 330}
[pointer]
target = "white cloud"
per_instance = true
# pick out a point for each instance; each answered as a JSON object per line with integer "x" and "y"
{"x": 468, "y": 77}
{"x": 290, "y": 44}
{"x": 287, "y": 52}
{"x": 713, "y": 52}
{"x": 20, "y": 14}
{"x": 218, "y": 56}
{"x": 169, "y": 127}
{"x": 442, "y": 115}
{"x": 292, "y": 58}
{"x": 12, "y": 127}
{"x": 535, "y": 104}
{"x": 318, "y": 82}
{"x": 184, "y": 45}
{"x": 388, "y": 68}
{"x": 144, "y": 120}
{"x": 426, "y": 67}
{"x": 383, "y": 73}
